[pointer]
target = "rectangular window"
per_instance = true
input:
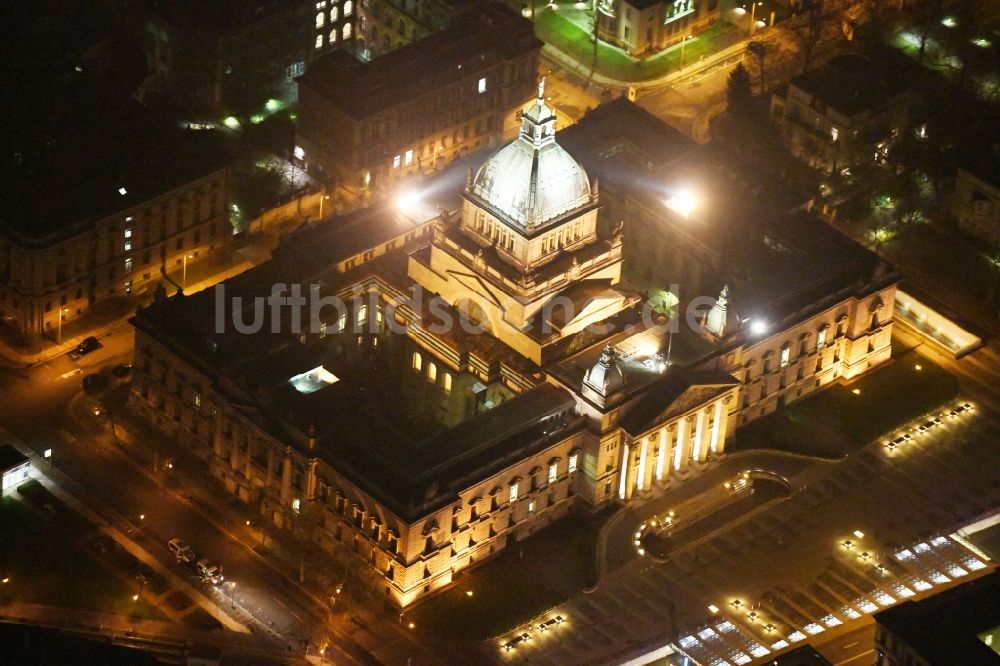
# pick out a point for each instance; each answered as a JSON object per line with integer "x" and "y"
{"x": 572, "y": 462}
{"x": 482, "y": 85}
{"x": 513, "y": 492}
{"x": 409, "y": 157}
{"x": 341, "y": 323}
{"x": 197, "y": 400}
{"x": 128, "y": 265}
{"x": 396, "y": 161}
{"x": 821, "y": 338}
{"x": 531, "y": 506}
{"x": 128, "y": 246}
{"x": 553, "y": 472}
{"x": 128, "y": 233}
{"x": 785, "y": 355}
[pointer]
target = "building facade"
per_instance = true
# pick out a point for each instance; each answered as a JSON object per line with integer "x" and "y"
{"x": 646, "y": 27}
{"x": 548, "y": 390}
{"x": 976, "y": 201}
{"x": 848, "y": 113}
{"x": 386, "y": 25}
{"x": 229, "y": 58}
{"x": 369, "y": 125}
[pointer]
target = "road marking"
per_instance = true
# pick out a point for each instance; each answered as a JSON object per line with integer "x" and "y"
{"x": 856, "y": 657}
{"x": 74, "y": 371}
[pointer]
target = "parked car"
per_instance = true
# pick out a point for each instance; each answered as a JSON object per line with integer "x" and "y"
{"x": 85, "y": 347}
{"x": 121, "y": 370}
{"x": 514, "y": 642}
{"x": 210, "y": 572}
{"x": 181, "y": 550}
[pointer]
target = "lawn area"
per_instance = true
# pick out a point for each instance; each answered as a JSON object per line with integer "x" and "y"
{"x": 45, "y": 564}
{"x": 525, "y": 579}
{"x": 837, "y": 421}
{"x": 554, "y": 28}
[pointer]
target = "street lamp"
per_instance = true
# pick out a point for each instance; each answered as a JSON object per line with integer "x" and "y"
{"x": 683, "y": 42}
{"x": 753, "y": 11}
{"x": 184, "y": 278}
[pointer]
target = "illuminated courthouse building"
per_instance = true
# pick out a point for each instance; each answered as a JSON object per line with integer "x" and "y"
{"x": 424, "y": 448}
{"x": 370, "y": 124}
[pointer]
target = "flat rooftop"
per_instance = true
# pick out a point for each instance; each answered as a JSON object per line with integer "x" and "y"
{"x": 485, "y": 34}
{"x": 74, "y": 150}
{"x": 951, "y": 627}
{"x": 10, "y": 457}
{"x": 854, "y": 83}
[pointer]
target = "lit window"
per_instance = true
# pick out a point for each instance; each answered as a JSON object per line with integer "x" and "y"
{"x": 446, "y": 382}
{"x": 482, "y": 85}
{"x": 363, "y": 24}
{"x": 834, "y": 133}
{"x": 409, "y": 157}
{"x": 319, "y": 41}
{"x": 553, "y": 472}
{"x": 296, "y": 504}
{"x": 333, "y": 36}
{"x": 396, "y": 161}
{"x": 418, "y": 361}
{"x": 322, "y": 329}
{"x": 334, "y": 14}
{"x": 197, "y": 400}
{"x": 572, "y": 462}
{"x": 531, "y": 506}
{"x": 432, "y": 372}
{"x": 128, "y": 265}
{"x": 341, "y": 322}
{"x": 348, "y": 8}
{"x": 320, "y": 20}
{"x": 320, "y": 5}
{"x": 821, "y": 338}
{"x": 346, "y": 32}
{"x": 785, "y": 354}
{"x": 128, "y": 246}
{"x": 362, "y": 314}
{"x": 513, "y": 492}
{"x": 128, "y": 233}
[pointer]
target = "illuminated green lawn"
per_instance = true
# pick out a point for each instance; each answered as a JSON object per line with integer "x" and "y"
{"x": 836, "y": 421}
{"x": 562, "y": 33}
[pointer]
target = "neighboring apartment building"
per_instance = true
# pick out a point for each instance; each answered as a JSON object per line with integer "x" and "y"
{"x": 97, "y": 201}
{"x": 646, "y": 27}
{"x": 424, "y": 448}
{"x": 370, "y": 124}
{"x": 230, "y": 57}
{"x": 976, "y": 201}
{"x": 847, "y": 113}
{"x": 385, "y": 25}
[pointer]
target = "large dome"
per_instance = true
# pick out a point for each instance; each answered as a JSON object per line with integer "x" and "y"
{"x": 532, "y": 179}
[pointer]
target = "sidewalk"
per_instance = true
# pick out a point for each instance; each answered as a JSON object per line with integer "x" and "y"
{"x": 733, "y": 52}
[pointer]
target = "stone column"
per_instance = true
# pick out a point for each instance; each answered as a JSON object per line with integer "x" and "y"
{"x": 717, "y": 427}
{"x": 286, "y": 478}
{"x": 698, "y": 446}
{"x": 234, "y": 450}
{"x": 662, "y": 459}
{"x": 311, "y": 479}
{"x": 680, "y": 448}
{"x": 219, "y": 445}
{"x": 247, "y": 461}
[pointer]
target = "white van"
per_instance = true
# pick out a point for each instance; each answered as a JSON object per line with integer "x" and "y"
{"x": 181, "y": 550}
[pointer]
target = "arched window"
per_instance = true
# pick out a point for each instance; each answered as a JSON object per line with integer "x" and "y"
{"x": 320, "y": 20}
{"x": 348, "y": 8}
{"x": 432, "y": 372}
{"x": 446, "y": 382}
{"x": 418, "y": 361}
{"x": 333, "y": 36}
{"x": 319, "y": 41}
{"x": 347, "y": 30}
{"x": 334, "y": 13}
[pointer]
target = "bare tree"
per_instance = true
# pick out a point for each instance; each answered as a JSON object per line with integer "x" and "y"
{"x": 818, "y": 19}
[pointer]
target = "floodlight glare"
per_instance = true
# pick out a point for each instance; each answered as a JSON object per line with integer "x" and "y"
{"x": 682, "y": 202}
{"x": 758, "y": 327}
